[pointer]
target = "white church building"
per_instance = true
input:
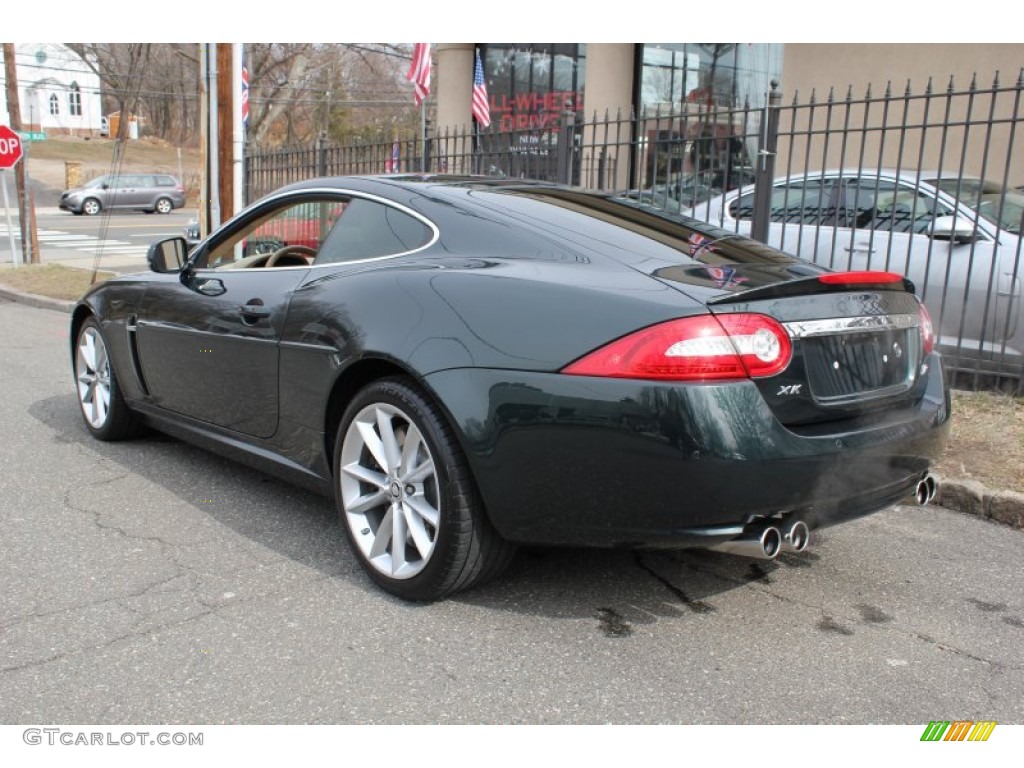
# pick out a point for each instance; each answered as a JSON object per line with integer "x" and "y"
{"x": 58, "y": 92}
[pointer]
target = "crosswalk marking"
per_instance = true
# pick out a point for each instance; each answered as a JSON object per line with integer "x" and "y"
{"x": 84, "y": 243}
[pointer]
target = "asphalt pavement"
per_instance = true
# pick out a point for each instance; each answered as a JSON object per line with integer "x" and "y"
{"x": 153, "y": 582}
{"x": 115, "y": 242}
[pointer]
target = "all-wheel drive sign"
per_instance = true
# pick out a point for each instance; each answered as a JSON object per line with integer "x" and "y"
{"x": 11, "y": 149}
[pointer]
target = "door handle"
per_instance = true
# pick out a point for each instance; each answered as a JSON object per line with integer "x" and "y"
{"x": 859, "y": 249}
{"x": 254, "y": 310}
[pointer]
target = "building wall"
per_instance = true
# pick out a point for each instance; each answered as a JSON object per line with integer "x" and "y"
{"x": 808, "y": 66}
{"x": 873, "y": 130}
{"x": 609, "y": 91}
{"x": 959, "y": 134}
{"x": 46, "y": 72}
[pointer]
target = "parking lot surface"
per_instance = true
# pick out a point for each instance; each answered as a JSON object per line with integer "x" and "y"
{"x": 151, "y": 581}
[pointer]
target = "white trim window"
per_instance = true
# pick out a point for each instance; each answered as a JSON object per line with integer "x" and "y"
{"x": 74, "y": 100}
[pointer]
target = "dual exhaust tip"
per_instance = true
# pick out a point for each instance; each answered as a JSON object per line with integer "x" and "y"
{"x": 769, "y": 541}
{"x": 925, "y": 491}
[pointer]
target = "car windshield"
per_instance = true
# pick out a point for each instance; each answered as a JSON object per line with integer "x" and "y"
{"x": 995, "y": 203}
{"x": 99, "y": 180}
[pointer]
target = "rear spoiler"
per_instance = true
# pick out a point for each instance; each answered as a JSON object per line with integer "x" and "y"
{"x": 829, "y": 282}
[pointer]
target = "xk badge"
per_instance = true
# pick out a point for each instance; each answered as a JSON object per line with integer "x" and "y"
{"x": 789, "y": 389}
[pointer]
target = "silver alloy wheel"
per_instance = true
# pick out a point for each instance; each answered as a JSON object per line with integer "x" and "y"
{"x": 92, "y": 370}
{"x": 91, "y": 207}
{"x": 389, "y": 490}
{"x": 163, "y": 205}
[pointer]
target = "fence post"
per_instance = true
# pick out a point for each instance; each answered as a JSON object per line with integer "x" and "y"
{"x": 321, "y": 154}
{"x": 426, "y": 146}
{"x": 767, "y": 145}
{"x": 563, "y": 157}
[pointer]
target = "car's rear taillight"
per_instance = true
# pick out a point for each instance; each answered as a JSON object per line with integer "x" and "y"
{"x": 863, "y": 277}
{"x": 708, "y": 347}
{"x": 927, "y": 332}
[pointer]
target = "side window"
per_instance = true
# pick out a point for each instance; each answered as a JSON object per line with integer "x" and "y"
{"x": 807, "y": 202}
{"x": 288, "y": 234}
{"x": 887, "y": 206}
{"x": 369, "y": 229}
{"x": 859, "y": 200}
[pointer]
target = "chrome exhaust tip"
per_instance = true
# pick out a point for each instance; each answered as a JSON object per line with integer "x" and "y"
{"x": 796, "y": 537}
{"x": 763, "y": 544}
{"x": 925, "y": 491}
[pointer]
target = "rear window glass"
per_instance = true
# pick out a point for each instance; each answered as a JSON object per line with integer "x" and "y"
{"x": 625, "y": 231}
{"x": 368, "y": 229}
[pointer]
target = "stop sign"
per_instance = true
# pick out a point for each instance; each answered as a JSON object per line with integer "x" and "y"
{"x": 10, "y": 147}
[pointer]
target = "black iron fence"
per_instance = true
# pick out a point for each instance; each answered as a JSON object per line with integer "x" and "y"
{"x": 921, "y": 183}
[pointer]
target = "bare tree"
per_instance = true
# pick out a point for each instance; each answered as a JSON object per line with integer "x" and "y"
{"x": 340, "y": 90}
{"x": 297, "y": 91}
{"x": 278, "y": 72}
{"x": 120, "y": 67}
{"x": 170, "y": 97}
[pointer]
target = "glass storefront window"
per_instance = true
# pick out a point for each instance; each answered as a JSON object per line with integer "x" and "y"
{"x": 713, "y": 75}
{"x": 531, "y": 84}
{"x": 699, "y": 111}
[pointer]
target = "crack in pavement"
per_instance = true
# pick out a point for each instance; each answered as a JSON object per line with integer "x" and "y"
{"x": 889, "y": 626}
{"x": 137, "y": 634}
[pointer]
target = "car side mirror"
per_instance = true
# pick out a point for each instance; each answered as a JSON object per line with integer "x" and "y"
{"x": 954, "y": 229}
{"x": 167, "y": 256}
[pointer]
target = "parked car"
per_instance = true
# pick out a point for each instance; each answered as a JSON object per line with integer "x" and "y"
{"x": 147, "y": 192}
{"x": 957, "y": 239}
{"x": 192, "y": 236}
{"x": 467, "y": 364}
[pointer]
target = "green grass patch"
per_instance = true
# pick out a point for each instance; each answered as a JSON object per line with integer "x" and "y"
{"x": 53, "y": 280}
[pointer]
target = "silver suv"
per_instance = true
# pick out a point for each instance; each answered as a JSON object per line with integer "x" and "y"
{"x": 147, "y": 192}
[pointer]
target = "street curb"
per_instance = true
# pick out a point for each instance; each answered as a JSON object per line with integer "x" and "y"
{"x": 973, "y": 498}
{"x": 35, "y": 300}
{"x": 967, "y": 496}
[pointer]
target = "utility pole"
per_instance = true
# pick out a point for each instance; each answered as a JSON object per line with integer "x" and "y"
{"x": 225, "y": 130}
{"x": 26, "y": 200}
{"x": 204, "y": 129}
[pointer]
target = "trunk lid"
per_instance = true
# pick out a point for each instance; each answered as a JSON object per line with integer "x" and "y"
{"x": 859, "y": 346}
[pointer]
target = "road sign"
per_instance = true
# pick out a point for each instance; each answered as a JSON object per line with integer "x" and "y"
{"x": 10, "y": 147}
{"x": 32, "y": 135}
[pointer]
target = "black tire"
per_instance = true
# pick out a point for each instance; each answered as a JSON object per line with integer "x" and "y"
{"x": 163, "y": 205}
{"x": 103, "y": 409}
{"x": 91, "y": 206}
{"x": 447, "y": 542}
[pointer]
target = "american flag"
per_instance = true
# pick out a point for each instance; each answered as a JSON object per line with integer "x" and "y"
{"x": 481, "y": 109}
{"x": 724, "y": 277}
{"x": 245, "y": 97}
{"x": 419, "y": 72}
{"x": 700, "y": 244}
{"x": 392, "y": 163}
